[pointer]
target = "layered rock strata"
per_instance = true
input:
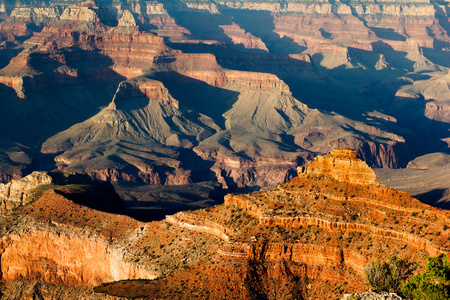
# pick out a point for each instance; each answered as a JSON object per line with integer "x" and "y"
{"x": 48, "y": 242}
{"x": 16, "y": 192}
{"x": 342, "y": 165}
{"x": 316, "y": 226}
{"x": 293, "y": 67}
{"x": 315, "y": 229}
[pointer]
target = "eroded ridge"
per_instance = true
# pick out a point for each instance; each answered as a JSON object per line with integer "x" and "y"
{"x": 334, "y": 217}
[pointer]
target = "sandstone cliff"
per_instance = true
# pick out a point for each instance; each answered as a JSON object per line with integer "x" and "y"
{"x": 313, "y": 230}
{"x": 342, "y": 165}
{"x": 56, "y": 240}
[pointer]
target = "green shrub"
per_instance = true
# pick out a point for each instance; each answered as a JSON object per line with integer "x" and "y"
{"x": 433, "y": 283}
{"x": 388, "y": 275}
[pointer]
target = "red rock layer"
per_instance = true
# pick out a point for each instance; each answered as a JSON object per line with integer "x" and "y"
{"x": 58, "y": 249}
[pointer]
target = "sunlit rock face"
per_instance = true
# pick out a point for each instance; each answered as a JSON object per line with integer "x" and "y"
{"x": 62, "y": 234}
{"x": 16, "y": 192}
{"x": 342, "y": 165}
{"x": 317, "y": 228}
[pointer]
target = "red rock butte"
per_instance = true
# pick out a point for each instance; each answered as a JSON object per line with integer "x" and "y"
{"x": 342, "y": 165}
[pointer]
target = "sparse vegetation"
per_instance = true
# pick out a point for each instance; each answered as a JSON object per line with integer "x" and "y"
{"x": 388, "y": 275}
{"x": 433, "y": 283}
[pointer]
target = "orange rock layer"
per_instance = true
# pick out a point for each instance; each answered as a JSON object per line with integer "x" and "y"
{"x": 342, "y": 165}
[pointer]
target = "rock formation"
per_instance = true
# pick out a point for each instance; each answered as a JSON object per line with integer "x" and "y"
{"x": 239, "y": 93}
{"x": 342, "y": 165}
{"x": 311, "y": 230}
{"x": 142, "y": 114}
{"x": 372, "y": 296}
{"x": 310, "y": 77}
{"x": 61, "y": 254}
{"x": 79, "y": 13}
{"x": 127, "y": 19}
{"x": 16, "y": 192}
{"x": 314, "y": 227}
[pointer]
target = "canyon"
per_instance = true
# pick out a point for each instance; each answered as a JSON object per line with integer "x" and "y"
{"x": 195, "y": 149}
{"x": 310, "y": 237}
{"x": 237, "y": 93}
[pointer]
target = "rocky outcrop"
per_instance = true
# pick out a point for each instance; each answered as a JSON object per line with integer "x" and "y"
{"x": 342, "y": 165}
{"x": 151, "y": 89}
{"x": 65, "y": 253}
{"x": 372, "y": 296}
{"x": 127, "y": 19}
{"x": 285, "y": 51}
{"x": 189, "y": 222}
{"x": 238, "y": 37}
{"x": 16, "y": 83}
{"x": 36, "y": 14}
{"x": 141, "y": 110}
{"x": 330, "y": 227}
{"x": 64, "y": 258}
{"x": 79, "y": 13}
{"x": 132, "y": 53}
{"x": 16, "y": 192}
{"x": 326, "y": 8}
{"x": 259, "y": 81}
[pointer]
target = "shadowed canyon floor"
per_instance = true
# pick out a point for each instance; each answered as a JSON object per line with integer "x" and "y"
{"x": 310, "y": 237}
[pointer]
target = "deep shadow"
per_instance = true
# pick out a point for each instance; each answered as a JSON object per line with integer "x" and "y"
{"x": 148, "y": 202}
{"x": 439, "y": 55}
{"x": 388, "y": 34}
{"x": 154, "y": 202}
{"x": 201, "y": 24}
{"x": 7, "y": 54}
{"x": 95, "y": 194}
{"x": 129, "y": 98}
{"x": 260, "y": 24}
{"x": 200, "y": 169}
{"x": 198, "y": 95}
{"x": 352, "y": 93}
{"x": 55, "y": 101}
{"x": 395, "y": 58}
{"x": 443, "y": 21}
{"x": 432, "y": 198}
{"x": 325, "y": 34}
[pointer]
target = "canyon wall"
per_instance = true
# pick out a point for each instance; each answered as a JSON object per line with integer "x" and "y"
{"x": 65, "y": 258}
{"x": 16, "y": 192}
{"x": 315, "y": 227}
{"x": 58, "y": 252}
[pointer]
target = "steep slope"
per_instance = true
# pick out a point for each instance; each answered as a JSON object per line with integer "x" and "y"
{"x": 69, "y": 70}
{"x": 432, "y": 93}
{"x": 252, "y": 134}
{"x": 63, "y": 229}
{"x": 267, "y": 128}
{"x": 310, "y": 237}
{"x": 135, "y": 138}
